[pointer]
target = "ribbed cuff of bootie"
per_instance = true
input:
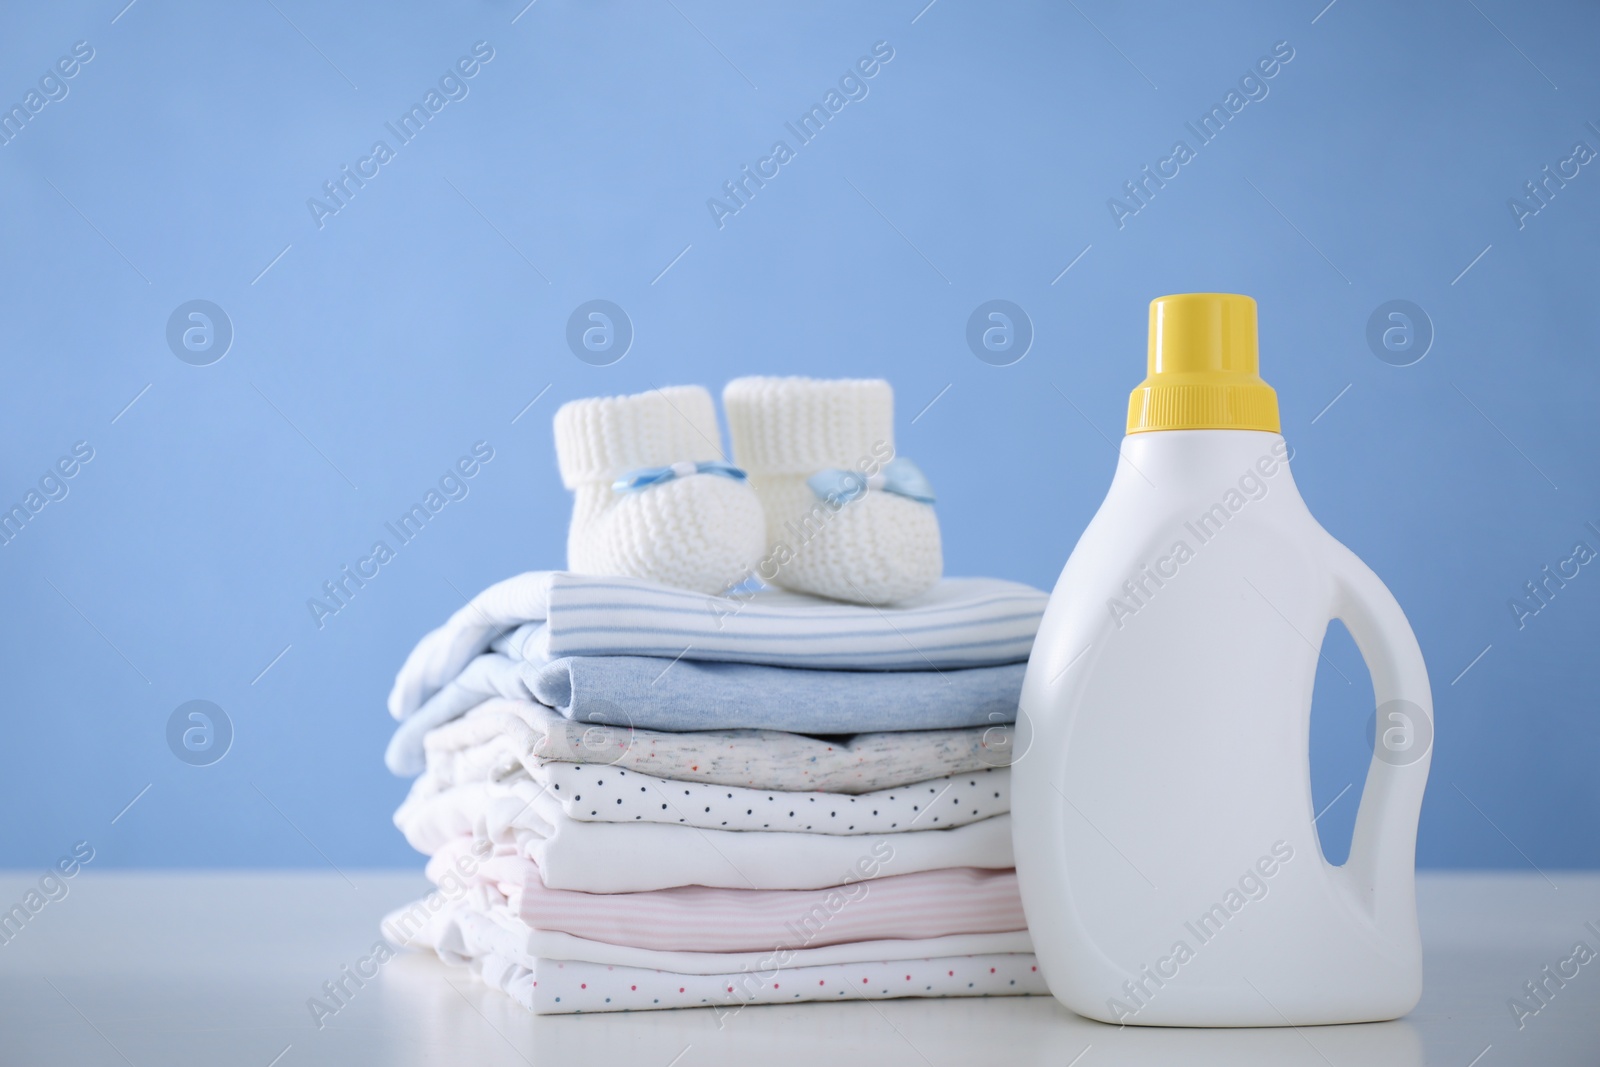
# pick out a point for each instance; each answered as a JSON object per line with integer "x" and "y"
{"x": 803, "y": 425}
{"x": 603, "y": 438}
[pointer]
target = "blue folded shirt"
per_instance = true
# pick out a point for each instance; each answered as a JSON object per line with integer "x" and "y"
{"x": 684, "y": 695}
{"x": 656, "y": 694}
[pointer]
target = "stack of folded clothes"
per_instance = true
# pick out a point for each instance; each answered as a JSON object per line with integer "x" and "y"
{"x": 636, "y": 796}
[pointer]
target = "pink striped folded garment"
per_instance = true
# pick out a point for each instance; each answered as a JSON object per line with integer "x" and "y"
{"x": 937, "y": 903}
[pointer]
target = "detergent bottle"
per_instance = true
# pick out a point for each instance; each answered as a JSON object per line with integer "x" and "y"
{"x": 1165, "y": 840}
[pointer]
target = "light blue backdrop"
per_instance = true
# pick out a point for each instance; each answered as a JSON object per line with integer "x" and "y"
{"x": 429, "y": 311}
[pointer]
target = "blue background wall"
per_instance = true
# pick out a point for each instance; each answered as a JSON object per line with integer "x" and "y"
{"x": 425, "y": 315}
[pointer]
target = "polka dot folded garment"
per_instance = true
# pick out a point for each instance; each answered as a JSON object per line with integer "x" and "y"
{"x": 555, "y": 987}
{"x": 611, "y": 795}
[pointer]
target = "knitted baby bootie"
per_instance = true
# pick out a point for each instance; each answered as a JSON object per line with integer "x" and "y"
{"x": 654, "y": 497}
{"x": 846, "y": 517}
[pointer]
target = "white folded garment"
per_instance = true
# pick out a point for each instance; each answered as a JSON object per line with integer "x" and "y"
{"x": 493, "y": 739}
{"x": 961, "y": 622}
{"x": 592, "y": 793}
{"x": 627, "y": 858}
{"x": 558, "y": 946}
{"x": 501, "y": 932}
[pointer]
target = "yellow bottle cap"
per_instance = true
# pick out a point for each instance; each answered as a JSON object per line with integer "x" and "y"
{"x": 1204, "y": 370}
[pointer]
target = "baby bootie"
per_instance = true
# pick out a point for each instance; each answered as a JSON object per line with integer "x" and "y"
{"x": 654, "y": 497}
{"x": 846, "y": 517}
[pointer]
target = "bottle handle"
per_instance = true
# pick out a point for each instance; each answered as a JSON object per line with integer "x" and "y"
{"x": 1381, "y": 867}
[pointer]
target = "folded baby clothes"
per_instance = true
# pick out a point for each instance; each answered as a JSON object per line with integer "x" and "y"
{"x": 649, "y": 693}
{"x": 590, "y": 793}
{"x": 631, "y": 857}
{"x": 636, "y": 796}
{"x": 928, "y": 904}
{"x": 503, "y": 734}
{"x": 960, "y": 622}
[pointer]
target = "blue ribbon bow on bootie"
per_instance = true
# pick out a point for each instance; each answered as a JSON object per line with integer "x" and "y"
{"x": 639, "y": 480}
{"x": 899, "y": 476}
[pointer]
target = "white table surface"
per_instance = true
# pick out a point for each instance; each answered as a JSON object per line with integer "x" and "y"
{"x": 217, "y": 968}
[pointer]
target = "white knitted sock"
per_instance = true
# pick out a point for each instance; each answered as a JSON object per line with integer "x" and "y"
{"x": 877, "y": 547}
{"x": 699, "y": 531}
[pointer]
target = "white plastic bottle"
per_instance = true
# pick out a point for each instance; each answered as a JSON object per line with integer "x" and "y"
{"x": 1164, "y": 831}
